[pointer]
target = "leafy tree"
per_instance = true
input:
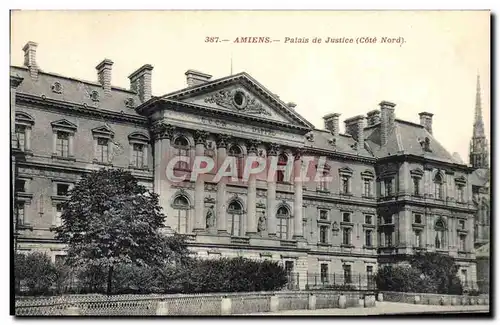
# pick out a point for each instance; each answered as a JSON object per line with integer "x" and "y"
{"x": 36, "y": 271}
{"x": 425, "y": 273}
{"x": 110, "y": 220}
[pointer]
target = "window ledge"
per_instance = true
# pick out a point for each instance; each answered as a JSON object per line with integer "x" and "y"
{"x": 346, "y": 223}
{"x": 324, "y": 245}
{"x": 97, "y": 162}
{"x": 369, "y": 247}
{"x": 59, "y": 197}
{"x": 24, "y": 195}
{"x": 368, "y": 225}
{"x": 346, "y": 245}
{"x": 371, "y": 197}
{"x": 463, "y": 231}
{"x": 345, "y": 194}
{"x": 25, "y": 226}
{"x": 325, "y": 221}
{"x": 318, "y": 190}
{"x": 71, "y": 158}
{"x": 418, "y": 225}
{"x": 145, "y": 168}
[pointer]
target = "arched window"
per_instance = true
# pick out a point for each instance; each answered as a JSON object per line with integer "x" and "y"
{"x": 181, "y": 144}
{"x": 440, "y": 229}
{"x": 282, "y": 162}
{"x": 283, "y": 216}
{"x": 438, "y": 186}
{"x": 181, "y": 207}
{"x": 235, "y": 151}
{"x": 235, "y": 213}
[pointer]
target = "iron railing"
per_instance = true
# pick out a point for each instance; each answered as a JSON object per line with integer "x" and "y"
{"x": 341, "y": 281}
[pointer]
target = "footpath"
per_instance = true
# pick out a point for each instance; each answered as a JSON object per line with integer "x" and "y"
{"x": 383, "y": 308}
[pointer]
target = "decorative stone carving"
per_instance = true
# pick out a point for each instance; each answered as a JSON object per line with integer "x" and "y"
{"x": 333, "y": 142}
{"x": 162, "y": 131}
{"x": 252, "y": 146}
{"x": 262, "y": 223}
{"x": 273, "y": 149}
{"x": 223, "y": 140}
{"x": 94, "y": 95}
{"x": 310, "y": 137}
{"x": 57, "y": 88}
{"x": 201, "y": 137}
{"x": 210, "y": 219}
{"x": 129, "y": 102}
{"x": 237, "y": 99}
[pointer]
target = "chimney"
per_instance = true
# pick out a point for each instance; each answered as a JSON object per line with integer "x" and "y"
{"x": 195, "y": 78}
{"x": 386, "y": 120}
{"x": 30, "y": 58}
{"x": 355, "y": 126}
{"x": 104, "y": 75}
{"x": 140, "y": 82}
{"x": 373, "y": 117}
{"x": 332, "y": 123}
{"x": 426, "y": 121}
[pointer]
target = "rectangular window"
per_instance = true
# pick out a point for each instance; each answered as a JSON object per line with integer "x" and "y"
{"x": 388, "y": 187}
{"x": 461, "y": 224}
{"x": 370, "y": 281}
{"x": 102, "y": 150}
{"x": 323, "y": 185}
{"x": 323, "y": 234}
{"x": 418, "y": 238}
{"x": 62, "y": 144}
{"x": 62, "y": 189}
{"x": 418, "y": 218}
{"x": 323, "y": 214}
{"x": 368, "y": 238}
{"x": 462, "y": 243}
{"x": 59, "y": 211}
{"x": 20, "y": 185}
{"x": 288, "y": 267}
{"x": 346, "y": 217}
{"x": 416, "y": 186}
{"x": 388, "y": 238}
{"x": 368, "y": 219}
{"x": 20, "y": 213}
{"x": 346, "y": 236}
{"x": 460, "y": 193}
{"x": 438, "y": 189}
{"x": 138, "y": 155}
{"x": 347, "y": 273}
{"x": 282, "y": 231}
{"x": 345, "y": 184}
{"x": 324, "y": 272}
{"x": 367, "y": 187}
{"x": 19, "y": 137}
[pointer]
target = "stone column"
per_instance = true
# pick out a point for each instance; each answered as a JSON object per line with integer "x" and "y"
{"x": 252, "y": 194}
{"x": 297, "y": 203}
{"x": 470, "y": 234}
{"x": 27, "y": 140}
{"x": 199, "y": 185}
{"x": 54, "y": 143}
{"x": 271, "y": 194}
{"x": 221, "y": 187}
{"x": 162, "y": 134}
{"x": 405, "y": 228}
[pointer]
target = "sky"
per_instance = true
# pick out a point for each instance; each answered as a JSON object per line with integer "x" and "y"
{"x": 434, "y": 70}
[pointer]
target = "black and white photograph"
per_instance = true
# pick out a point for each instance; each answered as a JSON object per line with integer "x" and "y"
{"x": 250, "y": 163}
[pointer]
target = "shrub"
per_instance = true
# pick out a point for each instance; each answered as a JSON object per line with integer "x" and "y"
{"x": 36, "y": 271}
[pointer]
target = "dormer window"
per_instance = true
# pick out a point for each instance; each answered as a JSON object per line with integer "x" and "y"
{"x": 426, "y": 144}
{"x": 129, "y": 102}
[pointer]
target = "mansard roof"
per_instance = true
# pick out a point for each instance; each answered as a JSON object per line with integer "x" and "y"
{"x": 52, "y": 86}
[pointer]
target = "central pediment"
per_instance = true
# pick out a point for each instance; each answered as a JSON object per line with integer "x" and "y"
{"x": 242, "y": 95}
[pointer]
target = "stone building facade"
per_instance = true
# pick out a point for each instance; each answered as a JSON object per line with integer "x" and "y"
{"x": 394, "y": 189}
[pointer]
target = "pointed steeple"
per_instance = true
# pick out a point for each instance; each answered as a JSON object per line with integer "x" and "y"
{"x": 478, "y": 118}
{"x": 478, "y": 155}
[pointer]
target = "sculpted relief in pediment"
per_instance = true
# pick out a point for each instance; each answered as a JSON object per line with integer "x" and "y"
{"x": 237, "y": 99}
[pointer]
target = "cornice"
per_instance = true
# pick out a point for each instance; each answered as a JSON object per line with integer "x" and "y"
{"x": 78, "y": 109}
{"x": 340, "y": 155}
{"x": 427, "y": 160}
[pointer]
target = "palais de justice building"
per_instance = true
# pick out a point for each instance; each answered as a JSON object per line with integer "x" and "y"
{"x": 395, "y": 190}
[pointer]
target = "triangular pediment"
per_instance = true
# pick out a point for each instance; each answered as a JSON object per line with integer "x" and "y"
{"x": 243, "y": 95}
{"x": 64, "y": 124}
{"x": 104, "y": 130}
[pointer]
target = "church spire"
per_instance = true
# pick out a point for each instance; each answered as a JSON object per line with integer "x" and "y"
{"x": 478, "y": 155}
{"x": 478, "y": 118}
